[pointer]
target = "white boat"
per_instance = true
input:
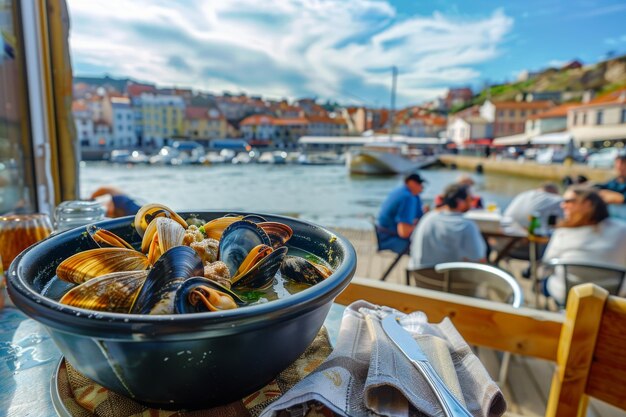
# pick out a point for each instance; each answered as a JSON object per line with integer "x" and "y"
{"x": 321, "y": 158}
{"x": 384, "y": 158}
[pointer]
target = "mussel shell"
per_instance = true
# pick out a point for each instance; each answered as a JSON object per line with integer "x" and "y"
{"x": 279, "y": 233}
{"x": 106, "y": 239}
{"x": 149, "y": 212}
{"x": 215, "y": 228}
{"x": 254, "y": 218}
{"x": 262, "y": 274}
{"x": 237, "y": 241}
{"x": 301, "y": 270}
{"x": 183, "y": 304}
{"x": 89, "y": 264}
{"x": 168, "y": 273}
{"x": 113, "y": 292}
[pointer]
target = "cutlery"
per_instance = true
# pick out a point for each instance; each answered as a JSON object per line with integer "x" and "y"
{"x": 409, "y": 347}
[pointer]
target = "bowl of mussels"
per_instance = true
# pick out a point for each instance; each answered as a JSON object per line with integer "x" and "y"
{"x": 183, "y": 310}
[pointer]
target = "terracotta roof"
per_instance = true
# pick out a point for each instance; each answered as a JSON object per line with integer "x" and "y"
{"x": 558, "y": 111}
{"x": 138, "y": 89}
{"x": 326, "y": 119}
{"x": 290, "y": 121}
{"x": 197, "y": 113}
{"x": 522, "y": 105}
{"x": 614, "y": 97}
{"x": 257, "y": 119}
{"x": 79, "y": 105}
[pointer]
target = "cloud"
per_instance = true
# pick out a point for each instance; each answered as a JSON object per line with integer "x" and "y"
{"x": 332, "y": 49}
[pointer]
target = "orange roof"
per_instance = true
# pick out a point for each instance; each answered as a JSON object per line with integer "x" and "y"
{"x": 290, "y": 121}
{"x": 137, "y": 89}
{"x": 196, "y": 113}
{"x": 558, "y": 111}
{"x": 522, "y": 105}
{"x": 257, "y": 119}
{"x": 79, "y": 105}
{"x": 614, "y": 97}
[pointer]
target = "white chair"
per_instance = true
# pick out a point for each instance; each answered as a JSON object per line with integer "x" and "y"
{"x": 471, "y": 280}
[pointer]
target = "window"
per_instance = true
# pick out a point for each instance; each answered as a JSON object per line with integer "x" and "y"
{"x": 584, "y": 122}
{"x": 523, "y": 113}
{"x": 623, "y": 118}
{"x": 511, "y": 113}
{"x": 599, "y": 117}
{"x": 500, "y": 113}
{"x": 575, "y": 121}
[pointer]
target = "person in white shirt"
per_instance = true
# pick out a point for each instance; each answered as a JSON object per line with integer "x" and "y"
{"x": 544, "y": 201}
{"x": 585, "y": 234}
{"x": 445, "y": 235}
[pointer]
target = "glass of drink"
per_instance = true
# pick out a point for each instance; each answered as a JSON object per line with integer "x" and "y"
{"x": 19, "y": 231}
{"x": 492, "y": 207}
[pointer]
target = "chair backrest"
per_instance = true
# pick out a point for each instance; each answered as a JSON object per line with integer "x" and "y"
{"x": 470, "y": 279}
{"x": 586, "y": 343}
{"x": 609, "y": 277}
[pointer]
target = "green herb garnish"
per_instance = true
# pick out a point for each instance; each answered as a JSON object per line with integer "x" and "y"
{"x": 251, "y": 296}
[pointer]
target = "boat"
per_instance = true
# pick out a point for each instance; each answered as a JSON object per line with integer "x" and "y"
{"x": 385, "y": 158}
{"x": 321, "y": 158}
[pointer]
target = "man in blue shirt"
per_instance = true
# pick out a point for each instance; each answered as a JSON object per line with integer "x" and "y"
{"x": 614, "y": 191}
{"x": 398, "y": 215}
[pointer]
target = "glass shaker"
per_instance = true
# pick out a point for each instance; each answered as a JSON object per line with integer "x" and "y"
{"x": 75, "y": 213}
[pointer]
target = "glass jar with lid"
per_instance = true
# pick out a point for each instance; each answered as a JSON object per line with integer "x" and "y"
{"x": 71, "y": 214}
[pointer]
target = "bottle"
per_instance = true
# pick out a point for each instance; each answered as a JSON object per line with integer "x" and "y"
{"x": 71, "y": 214}
{"x": 534, "y": 224}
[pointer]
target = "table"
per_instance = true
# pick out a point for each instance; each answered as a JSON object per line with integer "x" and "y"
{"x": 491, "y": 225}
{"x": 29, "y": 358}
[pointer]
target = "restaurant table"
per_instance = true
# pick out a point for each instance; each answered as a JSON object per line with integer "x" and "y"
{"x": 29, "y": 360}
{"x": 493, "y": 225}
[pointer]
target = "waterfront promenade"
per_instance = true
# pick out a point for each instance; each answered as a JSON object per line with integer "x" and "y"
{"x": 528, "y": 382}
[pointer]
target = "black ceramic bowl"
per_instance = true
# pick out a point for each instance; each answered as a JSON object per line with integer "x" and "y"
{"x": 181, "y": 361}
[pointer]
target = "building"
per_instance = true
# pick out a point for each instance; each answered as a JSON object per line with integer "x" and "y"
{"x": 462, "y": 130}
{"x": 117, "y": 113}
{"x": 553, "y": 120}
{"x": 161, "y": 118}
{"x": 262, "y": 130}
{"x": 421, "y": 126}
{"x": 458, "y": 97}
{"x": 326, "y": 126}
{"x": 509, "y": 117}
{"x": 258, "y": 129}
{"x": 356, "y": 119}
{"x": 83, "y": 119}
{"x": 202, "y": 123}
{"x": 599, "y": 122}
{"x": 102, "y": 135}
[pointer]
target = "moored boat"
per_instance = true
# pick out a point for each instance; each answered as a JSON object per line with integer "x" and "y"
{"x": 384, "y": 158}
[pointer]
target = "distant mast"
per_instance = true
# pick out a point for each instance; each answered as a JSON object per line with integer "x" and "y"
{"x": 394, "y": 76}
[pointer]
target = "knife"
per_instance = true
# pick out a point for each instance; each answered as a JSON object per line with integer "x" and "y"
{"x": 409, "y": 347}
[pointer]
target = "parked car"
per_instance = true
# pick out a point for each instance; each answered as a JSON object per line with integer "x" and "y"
{"x": 557, "y": 156}
{"x": 604, "y": 158}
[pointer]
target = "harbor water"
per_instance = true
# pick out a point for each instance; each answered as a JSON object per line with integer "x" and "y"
{"x": 327, "y": 195}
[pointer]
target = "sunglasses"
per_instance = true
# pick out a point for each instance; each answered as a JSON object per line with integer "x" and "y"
{"x": 569, "y": 200}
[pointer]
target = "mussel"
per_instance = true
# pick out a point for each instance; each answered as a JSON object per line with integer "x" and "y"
{"x": 198, "y": 294}
{"x": 106, "y": 239}
{"x": 237, "y": 241}
{"x": 163, "y": 234}
{"x": 301, "y": 270}
{"x": 279, "y": 233}
{"x": 113, "y": 292}
{"x": 89, "y": 264}
{"x": 168, "y": 273}
{"x": 261, "y": 275}
{"x": 149, "y": 212}
{"x": 215, "y": 228}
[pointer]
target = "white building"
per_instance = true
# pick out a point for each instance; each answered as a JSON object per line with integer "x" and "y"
{"x": 461, "y": 130}
{"x": 118, "y": 113}
{"x": 600, "y": 121}
{"x": 83, "y": 119}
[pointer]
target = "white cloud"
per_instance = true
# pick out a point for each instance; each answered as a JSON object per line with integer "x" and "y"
{"x": 284, "y": 48}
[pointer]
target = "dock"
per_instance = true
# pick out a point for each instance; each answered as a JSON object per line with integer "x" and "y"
{"x": 530, "y": 169}
{"x": 528, "y": 383}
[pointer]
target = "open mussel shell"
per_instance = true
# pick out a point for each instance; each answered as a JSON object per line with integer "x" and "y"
{"x": 113, "y": 292}
{"x": 149, "y": 212}
{"x": 254, "y": 218}
{"x": 279, "y": 233}
{"x": 237, "y": 241}
{"x": 89, "y": 264}
{"x": 262, "y": 274}
{"x": 106, "y": 239}
{"x": 199, "y": 294}
{"x": 215, "y": 228}
{"x": 168, "y": 273}
{"x": 301, "y": 270}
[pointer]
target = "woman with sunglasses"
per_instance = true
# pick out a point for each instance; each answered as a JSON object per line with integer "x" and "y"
{"x": 585, "y": 234}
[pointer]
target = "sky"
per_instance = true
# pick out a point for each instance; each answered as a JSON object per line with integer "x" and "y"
{"x": 339, "y": 50}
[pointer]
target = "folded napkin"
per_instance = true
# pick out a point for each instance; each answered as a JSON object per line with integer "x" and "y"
{"x": 366, "y": 374}
{"x": 83, "y": 397}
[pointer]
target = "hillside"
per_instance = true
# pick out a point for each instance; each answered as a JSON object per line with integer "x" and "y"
{"x": 601, "y": 77}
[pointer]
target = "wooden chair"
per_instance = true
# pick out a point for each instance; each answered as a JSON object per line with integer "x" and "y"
{"x": 586, "y": 342}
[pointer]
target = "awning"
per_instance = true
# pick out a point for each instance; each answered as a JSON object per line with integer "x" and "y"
{"x": 595, "y": 133}
{"x": 557, "y": 138}
{"x": 521, "y": 139}
{"x": 478, "y": 142}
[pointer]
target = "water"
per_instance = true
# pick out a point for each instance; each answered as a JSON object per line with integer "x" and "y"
{"x": 327, "y": 195}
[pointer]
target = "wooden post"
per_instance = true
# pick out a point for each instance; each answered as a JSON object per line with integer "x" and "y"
{"x": 585, "y": 305}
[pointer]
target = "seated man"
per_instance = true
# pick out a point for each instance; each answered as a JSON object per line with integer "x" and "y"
{"x": 398, "y": 215}
{"x": 477, "y": 201}
{"x": 544, "y": 201}
{"x": 445, "y": 235}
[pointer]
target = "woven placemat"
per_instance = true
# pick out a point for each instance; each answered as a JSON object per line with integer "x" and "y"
{"x": 83, "y": 397}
